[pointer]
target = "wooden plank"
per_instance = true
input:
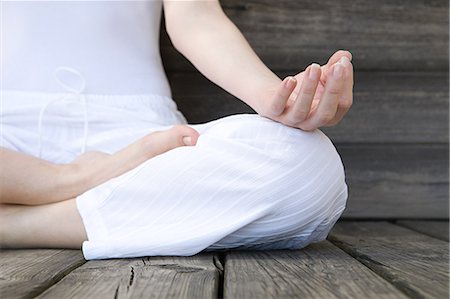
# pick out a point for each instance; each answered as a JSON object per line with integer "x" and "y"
{"x": 25, "y": 273}
{"x": 154, "y": 277}
{"x": 437, "y": 229}
{"x": 200, "y": 100}
{"x": 320, "y": 270}
{"x": 396, "y": 107}
{"x": 415, "y": 263}
{"x": 388, "y": 107}
{"x": 396, "y": 181}
{"x": 382, "y": 35}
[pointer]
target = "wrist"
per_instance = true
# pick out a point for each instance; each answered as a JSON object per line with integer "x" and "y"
{"x": 263, "y": 91}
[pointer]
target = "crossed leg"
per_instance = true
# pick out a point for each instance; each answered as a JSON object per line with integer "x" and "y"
{"x": 249, "y": 183}
{"x": 54, "y": 225}
{"x": 37, "y": 208}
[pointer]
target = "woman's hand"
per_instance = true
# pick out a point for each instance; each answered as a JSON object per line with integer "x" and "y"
{"x": 93, "y": 168}
{"x": 204, "y": 34}
{"x": 316, "y": 97}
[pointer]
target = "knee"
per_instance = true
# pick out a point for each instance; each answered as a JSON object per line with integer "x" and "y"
{"x": 306, "y": 169}
{"x": 285, "y": 158}
{"x": 309, "y": 193}
{"x": 253, "y": 127}
{"x": 312, "y": 187}
{"x": 275, "y": 139}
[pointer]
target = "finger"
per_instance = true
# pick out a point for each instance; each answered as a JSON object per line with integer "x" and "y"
{"x": 338, "y": 55}
{"x": 302, "y": 105}
{"x": 281, "y": 96}
{"x": 147, "y": 147}
{"x": 160, "y": 142}
{"x": 346, "y": 101}
{"x": 180, "y": 135}
{"x": 329, "y": 102}
{"x": 332, "y": 60}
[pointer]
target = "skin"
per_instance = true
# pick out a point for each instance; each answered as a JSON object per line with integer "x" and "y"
{"x": 202, "y": 32}
{"x": 315, "y": 97}
{"x": 46, "y": 182}
{"x": 57, "y": 223}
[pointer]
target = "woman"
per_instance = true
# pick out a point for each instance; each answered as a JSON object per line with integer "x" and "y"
{"x": 147, "y": 183}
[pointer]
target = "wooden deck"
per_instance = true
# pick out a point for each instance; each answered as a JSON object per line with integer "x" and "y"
{"x": 360, "y": 259}
{"x": 394, "y": 144}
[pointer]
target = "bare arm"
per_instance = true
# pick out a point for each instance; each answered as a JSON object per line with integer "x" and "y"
{"x": 203, "y": 33}
{"x": 28, "y": 180}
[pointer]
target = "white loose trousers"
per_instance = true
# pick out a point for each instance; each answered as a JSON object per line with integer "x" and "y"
{"x": 249, "y": 183}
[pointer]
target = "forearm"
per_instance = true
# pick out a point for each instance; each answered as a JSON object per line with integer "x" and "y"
{"x": 217, "y": 48}
{"x": 28, "y": 180}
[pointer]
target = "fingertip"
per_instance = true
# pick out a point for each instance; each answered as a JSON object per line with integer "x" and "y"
{"x": 277, "y": 104}
{"x": 314, "y": 71}
{"x": 190, "y": 135}
{"x": 345, "y": 61}
{"x": 348, "y": 67}
{"x": 193, "y": 131}
{"x": 290, "y": 82}
{"x": 349, "y": 55}
{"x": 187, "y": 140}
{"x": 194, "y": 137}
{"x": 346, "y": 53}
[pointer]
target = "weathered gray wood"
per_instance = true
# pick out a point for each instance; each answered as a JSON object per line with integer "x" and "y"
{"x": 382, "y": 35}
{"x": 154, "y": 277}
{"x": 388, "y": 107}
{"x": 415, "y": 263}
{"x": 320, "y": 270}
{"x": 396, "y": 107}
{"x": 437, "y": 229}
{"x": 396, "y": 181}
{"x": 27, "y": 272}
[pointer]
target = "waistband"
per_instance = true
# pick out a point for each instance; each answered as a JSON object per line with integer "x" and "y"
{"x": 18, "y": 98}
{"x": 10, "y": 100}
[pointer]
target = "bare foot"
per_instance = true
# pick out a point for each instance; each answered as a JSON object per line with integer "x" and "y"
{"x": 94, "y": 168}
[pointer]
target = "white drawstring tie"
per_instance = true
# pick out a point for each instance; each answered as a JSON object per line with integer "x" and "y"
{"x": 78, "y": 92}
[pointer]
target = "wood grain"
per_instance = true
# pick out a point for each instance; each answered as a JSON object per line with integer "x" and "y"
{"x": 27, "y": 272}
{"x": 320, "y": 270}
{"x": 382, "y": 35}
{"x": 388, "y": 107}
{"x": 437, "y": 229}
{"x": 395, "y": 181}
{"x": 415, "y": 263}
{"x": 154, "y": 277}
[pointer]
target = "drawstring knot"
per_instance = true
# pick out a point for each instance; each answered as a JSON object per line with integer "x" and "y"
{"x": 72, "y": 91}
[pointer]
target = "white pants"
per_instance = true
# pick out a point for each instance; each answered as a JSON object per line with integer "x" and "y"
{"x": 249, "y": 183}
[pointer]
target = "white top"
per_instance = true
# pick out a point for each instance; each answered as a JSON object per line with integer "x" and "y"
{"x": 113, "y": 44}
